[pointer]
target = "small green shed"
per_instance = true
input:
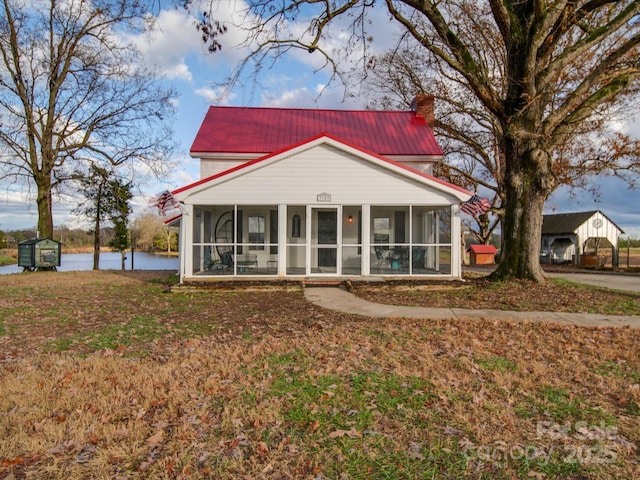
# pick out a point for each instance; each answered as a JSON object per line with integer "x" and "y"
{"x": 39, "y": 253}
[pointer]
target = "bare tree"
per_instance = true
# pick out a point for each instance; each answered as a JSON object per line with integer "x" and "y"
{"x": 471, "y": 136}
{"x": 152, "y": 233}
{"x": 559, "y": 68}
{"x": 468, "y": 134}
{"x": 73, "y": 92}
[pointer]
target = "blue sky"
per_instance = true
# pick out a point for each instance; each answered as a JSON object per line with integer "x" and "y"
{"x": 176, "y": 49}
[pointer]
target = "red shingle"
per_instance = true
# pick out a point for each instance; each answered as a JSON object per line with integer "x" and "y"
{"x": 265, "y": 130}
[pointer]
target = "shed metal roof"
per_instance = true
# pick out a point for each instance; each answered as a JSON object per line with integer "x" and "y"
{"x": 253, "y": 130}
{"x": 480, "y": 248}
{"x": 33, "y": 241}
{"x": 568, "y": 223}
{"x": 564, "y": 222}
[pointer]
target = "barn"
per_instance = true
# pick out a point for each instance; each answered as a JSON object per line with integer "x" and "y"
{"x": 580, "y": 238}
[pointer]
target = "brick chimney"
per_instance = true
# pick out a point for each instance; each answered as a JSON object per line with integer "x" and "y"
{"x": 423, "y": 107}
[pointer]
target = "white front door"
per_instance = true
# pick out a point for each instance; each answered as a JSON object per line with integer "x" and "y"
{"x": 324, "y": 251}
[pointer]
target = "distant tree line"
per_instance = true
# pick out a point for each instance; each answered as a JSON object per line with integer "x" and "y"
{"x": 629, "y": 242}
{"x": 148, "y": 233}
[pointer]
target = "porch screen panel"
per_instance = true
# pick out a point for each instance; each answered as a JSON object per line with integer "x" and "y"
{"x": 239, "y": 231}
{"x": 207, "y": 229}
{"x": 399, "y": 227}
{"x": 256, "y": 225}
{"x": 391, "y": 253}
{"x": 430, "y": 241}
{"x": 255, "y": 253}
{"x": 351, "y": 240}
{"x": 273, "y": 232}
{"x": 223, "y": 241}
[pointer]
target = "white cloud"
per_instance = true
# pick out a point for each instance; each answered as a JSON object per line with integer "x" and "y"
{"x": 174, "y": 46}
{"x": 318, "y": 96}
{"x": 298, "y": 98}
{"x": 171, "y": 39}
{"x": 215, "y": 95}
{"x": 17, "y": 210}
{"x": 187, "y": 173}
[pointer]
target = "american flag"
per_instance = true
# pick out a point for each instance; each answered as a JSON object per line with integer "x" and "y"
{"x": 165, "y": 202}
{"x": 476, "y": 205}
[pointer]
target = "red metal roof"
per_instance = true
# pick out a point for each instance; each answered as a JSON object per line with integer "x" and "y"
{"x": 264, "y": 130}
{"x": 482, "y": 249}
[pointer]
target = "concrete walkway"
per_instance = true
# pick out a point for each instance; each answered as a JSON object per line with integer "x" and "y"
{"x": 340, "y": 300}
{"x": 616, "y": 281}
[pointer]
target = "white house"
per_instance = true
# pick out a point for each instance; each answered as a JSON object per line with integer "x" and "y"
{"x": 581, "y": 238}
{"x": 295, "y": 193}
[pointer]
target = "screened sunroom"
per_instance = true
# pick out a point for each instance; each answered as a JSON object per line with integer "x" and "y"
{"x": 308, "y": 240}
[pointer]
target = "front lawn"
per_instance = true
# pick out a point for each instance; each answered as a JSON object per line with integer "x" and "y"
{"x": 105, "y": 376}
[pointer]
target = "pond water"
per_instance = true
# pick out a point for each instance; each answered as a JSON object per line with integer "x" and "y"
{"x": 108, "y": 261}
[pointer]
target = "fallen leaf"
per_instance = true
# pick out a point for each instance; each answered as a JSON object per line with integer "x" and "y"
{"x": 536, "y": 475}
{"x": 353, "y": 433}
{"x": 156, "y": 438}
{"x": 337, "y": 434}
{"x": 12, "y": 461}
{"x": 262, "y": 450}
{"x": 414, "y": 451}
{"x": 59, "y": 418}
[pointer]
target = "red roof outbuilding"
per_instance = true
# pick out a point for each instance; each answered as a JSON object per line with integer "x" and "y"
{"x": 490, "y": 249}
{"x": 482, "y": 254}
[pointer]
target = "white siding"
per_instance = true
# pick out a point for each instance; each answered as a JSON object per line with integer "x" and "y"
{"x": 322, "y": 169}
{"x": 606, "y": 230}
{"x": 210, "y": 167}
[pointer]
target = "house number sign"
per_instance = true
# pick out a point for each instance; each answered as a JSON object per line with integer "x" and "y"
{"x": 323, "y": 197}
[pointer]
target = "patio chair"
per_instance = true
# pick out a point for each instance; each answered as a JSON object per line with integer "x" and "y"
{"x": 381, "y": 256}
{"x": 418, "y": 257}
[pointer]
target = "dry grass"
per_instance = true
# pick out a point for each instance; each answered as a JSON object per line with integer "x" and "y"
{"x": 556, "y": 295}
{"x": 118, "y": 380}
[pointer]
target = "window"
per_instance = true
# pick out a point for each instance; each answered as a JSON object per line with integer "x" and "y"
{"x": 381, "y": 230}
{"x": 256, "y": 233}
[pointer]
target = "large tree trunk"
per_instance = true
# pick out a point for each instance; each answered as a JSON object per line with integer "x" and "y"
{"x": 528, "y": 183}
{"x": 45, "y": 213}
